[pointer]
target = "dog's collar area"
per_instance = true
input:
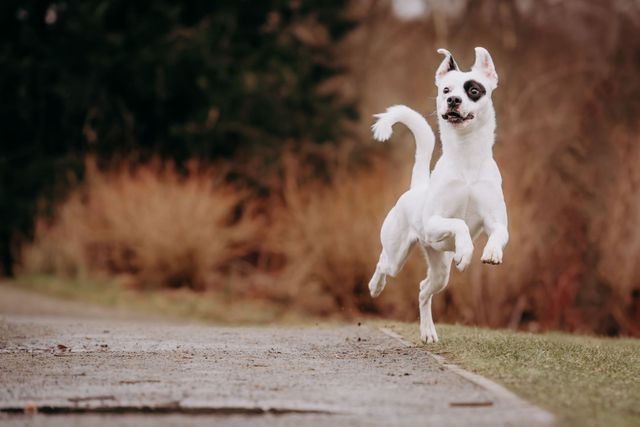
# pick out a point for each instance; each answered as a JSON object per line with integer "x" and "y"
{"x": 456, "y": 117}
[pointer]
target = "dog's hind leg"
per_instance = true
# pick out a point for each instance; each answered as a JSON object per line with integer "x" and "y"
{"x": 437, "y": 279}
{"x": 396, "y": 244}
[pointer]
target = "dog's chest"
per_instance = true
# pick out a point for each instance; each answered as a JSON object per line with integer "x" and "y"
{"x": 459, "y": 192}
{"x": 456, "y": 199}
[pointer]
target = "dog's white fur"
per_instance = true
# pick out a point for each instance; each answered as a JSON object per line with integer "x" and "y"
{"x": 446, "y": 209}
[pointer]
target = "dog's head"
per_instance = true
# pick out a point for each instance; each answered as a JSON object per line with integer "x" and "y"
{"x": 463, "y": 97}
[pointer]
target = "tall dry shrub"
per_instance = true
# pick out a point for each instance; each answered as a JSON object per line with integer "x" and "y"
{"x": 146, "y": 223}
{"x": 618, "y": 234}
{"x": 328, "y": 237}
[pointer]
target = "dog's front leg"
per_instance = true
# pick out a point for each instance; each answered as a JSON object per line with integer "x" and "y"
{"x": 494, "y": 218}
{"x": 498, "y": 238}
{"x": 439, "y": 229}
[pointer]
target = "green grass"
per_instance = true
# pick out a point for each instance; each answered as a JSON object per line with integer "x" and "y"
{"x": 586, "y": 381}
{"x": 216, "y": 307}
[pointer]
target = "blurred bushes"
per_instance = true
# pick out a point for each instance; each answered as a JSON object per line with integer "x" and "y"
{"x": 205, "y": 79}
{"x": 147, "y": 226}
{"x": 312, "y": 246}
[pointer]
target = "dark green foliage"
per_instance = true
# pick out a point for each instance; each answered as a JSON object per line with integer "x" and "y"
{"x": 204, "y": 79}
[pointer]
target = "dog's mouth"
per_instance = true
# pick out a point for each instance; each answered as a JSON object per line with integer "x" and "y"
{"x": 455, "y": 117}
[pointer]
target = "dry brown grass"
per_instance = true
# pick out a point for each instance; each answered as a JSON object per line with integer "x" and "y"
{"x": 148, "y": 225}
{"x": 314, "y": 245}
{"x": 328, "y": 236}
{"x": 316, "y": 241}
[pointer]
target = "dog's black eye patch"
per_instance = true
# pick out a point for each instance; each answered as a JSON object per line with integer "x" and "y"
{"x": 474, "y": 90}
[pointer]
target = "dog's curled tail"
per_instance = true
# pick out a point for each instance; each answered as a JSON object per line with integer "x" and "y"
{"x": 425, "y": 140}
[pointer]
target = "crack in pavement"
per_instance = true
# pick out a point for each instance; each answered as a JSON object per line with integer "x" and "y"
{"x": 172, "y": 408}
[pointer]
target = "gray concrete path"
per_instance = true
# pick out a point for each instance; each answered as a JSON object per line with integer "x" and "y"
{"x": 80, "y": 367}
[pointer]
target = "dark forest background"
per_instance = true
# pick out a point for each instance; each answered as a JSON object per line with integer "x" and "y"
{"x": 199, "y": 79}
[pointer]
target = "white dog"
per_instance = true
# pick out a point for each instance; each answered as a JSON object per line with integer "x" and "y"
{"x": 446, "y": 209}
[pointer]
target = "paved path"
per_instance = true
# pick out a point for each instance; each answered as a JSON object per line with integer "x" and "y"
{"x": 81, "y": 367}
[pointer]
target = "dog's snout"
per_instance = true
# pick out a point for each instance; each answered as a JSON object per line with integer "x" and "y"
{"x": 454, "y": 101}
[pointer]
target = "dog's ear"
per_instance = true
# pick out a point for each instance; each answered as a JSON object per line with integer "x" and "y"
{"x": 448, "y": 64}
{"x": 484, "y": 65}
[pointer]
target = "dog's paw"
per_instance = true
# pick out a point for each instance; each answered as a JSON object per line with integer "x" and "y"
{"x": 376, "y": 285}
{"x": 428, "y": 334}
{"x": 492, "y": 254}
{"x": 462, "y": 257}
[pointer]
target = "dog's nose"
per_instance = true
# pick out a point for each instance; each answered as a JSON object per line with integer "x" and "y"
{"x": 454, "y": 101}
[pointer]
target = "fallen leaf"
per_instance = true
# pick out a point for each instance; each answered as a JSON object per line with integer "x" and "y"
{"x": 31, "y": 408}
{"x": 471, "y": 403}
